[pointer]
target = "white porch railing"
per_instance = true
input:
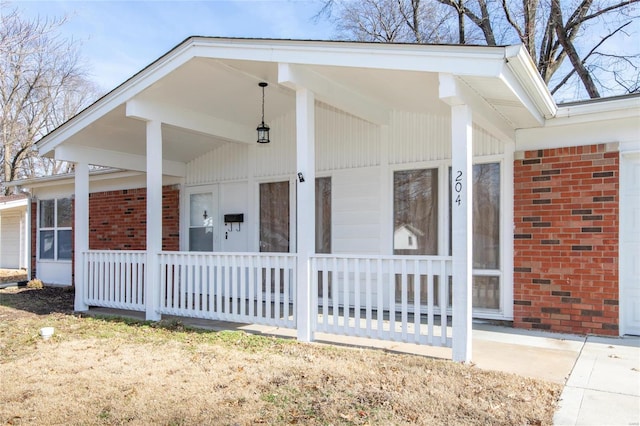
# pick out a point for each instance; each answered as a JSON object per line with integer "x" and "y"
{"x": 115, "y": 279}
{"x": 240, "y": 287}
{"x": 395, "y": 298}
{"x": 383, "y": 297}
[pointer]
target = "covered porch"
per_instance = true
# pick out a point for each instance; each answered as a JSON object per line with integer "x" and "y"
{"x": 335, "y": 109}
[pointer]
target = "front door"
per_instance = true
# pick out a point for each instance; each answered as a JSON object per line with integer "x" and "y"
{"x": 630, "y": 244}
{"x": 203, "y": 223}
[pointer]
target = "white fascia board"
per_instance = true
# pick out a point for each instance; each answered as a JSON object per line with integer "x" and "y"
{"x": 455, "y": 92}
{"x": 13, "y": 204}
{"x": 108, "y": 158}
{"x": 521, "y": 75}
{"x": 621, "y": 131}
{"x": 597, "y": 110}
{"x": 187, "y": 119}
{"x": 143, "y": 79}
{"x": 487, "y": 61}
{"x": 325, "y": 90}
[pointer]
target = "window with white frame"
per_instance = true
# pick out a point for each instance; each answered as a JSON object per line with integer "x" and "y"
{"x": 55, "y": 229}
{"x": 486, "y": 236}
{"x": 416, "y": 205}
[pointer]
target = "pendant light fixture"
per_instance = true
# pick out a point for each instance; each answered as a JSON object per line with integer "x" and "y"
{"x": 263, "y": 129}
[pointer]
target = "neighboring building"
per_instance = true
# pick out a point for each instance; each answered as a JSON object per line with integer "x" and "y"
{"x": 392, "y": 135}
{"x": 14, "y": 235}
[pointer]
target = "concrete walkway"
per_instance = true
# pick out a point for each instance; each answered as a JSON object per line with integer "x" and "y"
{"x": 604, "y": 385}
{"x": 601, "y": 375}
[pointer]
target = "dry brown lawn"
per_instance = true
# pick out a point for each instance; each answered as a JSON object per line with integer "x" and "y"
{"x": 97, "y": 371}
{"x": 12, "y": 275}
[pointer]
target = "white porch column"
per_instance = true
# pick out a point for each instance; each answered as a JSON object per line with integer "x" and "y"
{"x": 154, "y": 218}
{"x": 462, "y": 228}
{"x": 455, "y": 95}
{"x": 81, "y": 232}
{"x": 305, "y": 209}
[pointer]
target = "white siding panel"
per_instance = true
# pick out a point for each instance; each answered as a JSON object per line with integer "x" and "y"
{"x": 419, "y": 137}
{"x": 344, "y": 141}
{"x": 278, "y": 158}
{"x": 356, "y": 216}
{"x": 424, "y": 137}
{"x": 484, "y": 143}
{"x": 228, "y": 162}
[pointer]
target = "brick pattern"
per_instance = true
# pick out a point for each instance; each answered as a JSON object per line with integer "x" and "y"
{"x": 118, "y": 219}
{"x": 566, "y": 240}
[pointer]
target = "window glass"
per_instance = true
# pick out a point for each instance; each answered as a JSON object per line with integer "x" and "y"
{"x": 47, "y": 244}
{"x": 486, "y": 292}
{"x": 47, "y": 210}
{"x": 201, "y": 239}
{"x": 201, "y": 220}
{"x": 63, "y": 215}
{"x": 415, "y": 212}
{"x": 64, "y": 244}
{"x": 486, "y": 216}
{"x": 201, "y": 210}
{"x": 323, "y": 215}
{"x": 274, "y": 217}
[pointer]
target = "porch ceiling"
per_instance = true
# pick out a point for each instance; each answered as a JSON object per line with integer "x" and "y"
{"x": 204, "y": 101}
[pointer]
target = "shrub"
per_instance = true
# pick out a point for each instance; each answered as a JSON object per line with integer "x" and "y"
{"x": 35, "y": 283}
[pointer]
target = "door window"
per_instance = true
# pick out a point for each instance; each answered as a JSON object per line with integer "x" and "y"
{"x": 201, "y": 221}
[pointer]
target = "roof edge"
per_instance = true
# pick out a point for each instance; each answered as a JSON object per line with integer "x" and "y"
{"x": 520, "y": 63}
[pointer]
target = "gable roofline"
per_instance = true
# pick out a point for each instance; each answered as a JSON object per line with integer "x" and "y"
{"x": 489, "y": 61}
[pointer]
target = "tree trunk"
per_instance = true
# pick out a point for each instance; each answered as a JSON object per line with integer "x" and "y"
{"x": 571, "y": 52}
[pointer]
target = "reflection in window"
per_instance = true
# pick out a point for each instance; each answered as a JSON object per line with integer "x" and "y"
{"x": 323, "y": 227}
{"x": 415, "y": 212}
{"x": 486, "y": 233}
{"x": 415, "y": 221}
{"x": 47, "y": 245}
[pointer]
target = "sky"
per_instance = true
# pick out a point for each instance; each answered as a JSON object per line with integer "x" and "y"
{"x": 119, "y": 38}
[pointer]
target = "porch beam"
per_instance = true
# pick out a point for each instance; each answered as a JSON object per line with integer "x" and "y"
{"x": 191, "y": 120}
{"x": 81, "y": 232}
{"x": 454, "y": 92}
{"x": 154, "y": 219}
{"x": 333, "y": 93}
{"x": 462, "y": 224}
{"x": 305, "y": 209}
{"x": 119, "y": 160}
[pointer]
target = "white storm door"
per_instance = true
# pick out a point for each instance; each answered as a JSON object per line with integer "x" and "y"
{"x": 629, "y": 249}
{"x": 203, "y": 219}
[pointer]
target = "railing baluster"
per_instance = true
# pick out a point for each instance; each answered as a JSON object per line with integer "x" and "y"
{"x": 416, "y": 300}
{"x": 404, "y": 298}
{"x": 356, "y": 295}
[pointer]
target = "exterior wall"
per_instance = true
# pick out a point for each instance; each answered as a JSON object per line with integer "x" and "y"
{"x": 117, "y": 219}
{"x": 566, "y": 240}
{"x": 34, "y": 239}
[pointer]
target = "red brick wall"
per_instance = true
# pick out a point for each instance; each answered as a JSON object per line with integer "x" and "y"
{"x": 118, "y": 219}
{"x": 566, "y": 240}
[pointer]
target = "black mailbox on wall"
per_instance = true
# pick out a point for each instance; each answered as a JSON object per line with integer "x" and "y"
{"x": 234, "y": 218}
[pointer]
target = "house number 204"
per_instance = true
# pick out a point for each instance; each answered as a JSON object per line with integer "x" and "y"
{"x": 457, "y": 186}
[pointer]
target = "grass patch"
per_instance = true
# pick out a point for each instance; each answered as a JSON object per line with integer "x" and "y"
{"x": 116, "y": 370}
